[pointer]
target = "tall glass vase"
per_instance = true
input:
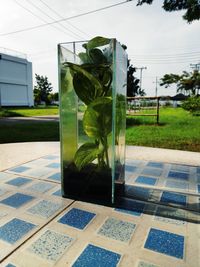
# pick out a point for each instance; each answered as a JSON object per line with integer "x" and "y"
{"x": 92, "y": 84}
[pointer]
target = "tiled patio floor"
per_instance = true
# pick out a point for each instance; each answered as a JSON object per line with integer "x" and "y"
{"x": 160, "y": 227}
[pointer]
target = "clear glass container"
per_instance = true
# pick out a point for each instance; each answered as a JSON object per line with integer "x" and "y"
{"x": 92, "y": 85}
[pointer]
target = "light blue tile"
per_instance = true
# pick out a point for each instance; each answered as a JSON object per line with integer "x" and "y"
{"x": 180, "y": 168}
{"x": 4, "y": 175}
{"x": 55, "y": 177}
{"x": 117, "y": 229}
{"x": 178, "y": 175}
{"x": 14, "y": 230}
{"x": 94, "y": 256}
{"x": 39, "y": 172}
{"x": 45, "y": 208}
{"x": 17, "y": 200}
{"x": 10, "y": 265}
{"x": 152, "y": 171}
{"x": 173, "y": 198}
{"x": 53, "y": 165}
{"x": 57, "y": 193}
{"x": 176, "y": 184}
{"x": 165, "y": 242}
{"x": 40, "y": 187}
{"x": 146, "y": 180}
{"x": 155, "y": 164}
{"x": 51, "y": 245}
{"x": 2, "y": 191}
{"x": 19, "y": 181}
{"x": 77, "y": 218}
{"x": 19, "y": 169}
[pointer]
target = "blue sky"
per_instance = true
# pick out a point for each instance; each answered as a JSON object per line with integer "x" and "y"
{"x": 161, "y": 41}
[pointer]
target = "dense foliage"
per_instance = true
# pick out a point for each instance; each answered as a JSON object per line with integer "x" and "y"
{"x": 187, "y": 83}
{"x": 192, "y": 104}
{"x": 192, "y": 7}
{"x": 42, "y": 89}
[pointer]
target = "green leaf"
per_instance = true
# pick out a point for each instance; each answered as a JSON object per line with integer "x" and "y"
{"x": 86, "y": 154}
{"x": 97, "y": 119}
{"x": 84, "y": 57}
{"x": 87, "y": 79}
{"x": 83, "y": 88}
{"x": 97, "y": 56}
{"x": 97, "y": 41}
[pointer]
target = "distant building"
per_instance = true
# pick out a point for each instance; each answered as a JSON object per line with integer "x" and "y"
{"x": 16, "y": 86}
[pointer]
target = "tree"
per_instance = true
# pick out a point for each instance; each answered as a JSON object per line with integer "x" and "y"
{"x": 187, "y": 83}
{"x": 192, "y": 7}
{"x": 42, "y": 89}
{"x": 133, "y": 88}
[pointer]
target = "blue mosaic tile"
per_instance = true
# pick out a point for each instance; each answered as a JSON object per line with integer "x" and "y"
{"x": 198, "y": 170}
{"x": 117, "y": 229}
{"x": 97, "y": 256}
{"x": 19, "y": 169}
{"x": 131, "y": 207}
{"x": 55, "y": 176}
{"x": 14, "y": 230}
{"x": 166, "y": 243}
{"x": 77, "y": 218}
{"x": 146, "y": 264}
{"x": 51, "y": 245}
{"x": 17, "y": 200}
{"x": 173, "y": 198}
{"x": 198, "y": 188}
{"x": 10, "y": 265}
{"x": 40, "y": 187}
{"x": 19, "y": 181}
{"x": 130, "y": 168}
{"x": 152, "y": 171}
{"x": 155, "y": 164}
{"x": 198, "y": 179}
{"x": 57, "y": 193}
{"x": 146, "y": 180}
{"x": 53, "y": 165}
{"x": 50, "y": 157}
{"x": 45, "y": 208}
{"x": 178, "y": 175}
{"x": 179, "y": 185}
{"x": 137, "y": 192}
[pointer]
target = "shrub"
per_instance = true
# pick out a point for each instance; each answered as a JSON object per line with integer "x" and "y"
{"x": 192, "y": 104}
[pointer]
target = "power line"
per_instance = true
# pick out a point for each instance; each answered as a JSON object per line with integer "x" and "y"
{"x": 65, "y": 19}
{"x": 61, "y": 17}
{"x": 31, "y": 12}
{"x": 43, "y": 12}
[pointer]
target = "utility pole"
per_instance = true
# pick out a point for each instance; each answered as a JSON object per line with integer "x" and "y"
{"x": 141, "y": 69}
{"x": 195, "y": 66}
{"x": 156, "y": 89}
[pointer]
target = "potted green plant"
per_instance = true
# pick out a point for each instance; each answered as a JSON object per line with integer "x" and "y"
{"x": 92, "y": 115}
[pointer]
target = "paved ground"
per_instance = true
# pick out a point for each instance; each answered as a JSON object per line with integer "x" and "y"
{"x": 9, "y": 120}
{"x": 39, "y": 228}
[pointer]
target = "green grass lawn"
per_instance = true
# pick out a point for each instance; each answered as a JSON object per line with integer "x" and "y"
{"x": 178, "y": 129}
{"x": 29, "y": 112}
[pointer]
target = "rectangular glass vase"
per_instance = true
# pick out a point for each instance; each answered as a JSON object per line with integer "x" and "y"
{"x": 92, "y": 86}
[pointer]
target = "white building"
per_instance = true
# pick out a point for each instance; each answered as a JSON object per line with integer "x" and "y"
{"x": 16, "y": 86}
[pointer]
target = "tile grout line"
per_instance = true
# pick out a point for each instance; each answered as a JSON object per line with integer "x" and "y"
{"x": 43, "y": 226}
